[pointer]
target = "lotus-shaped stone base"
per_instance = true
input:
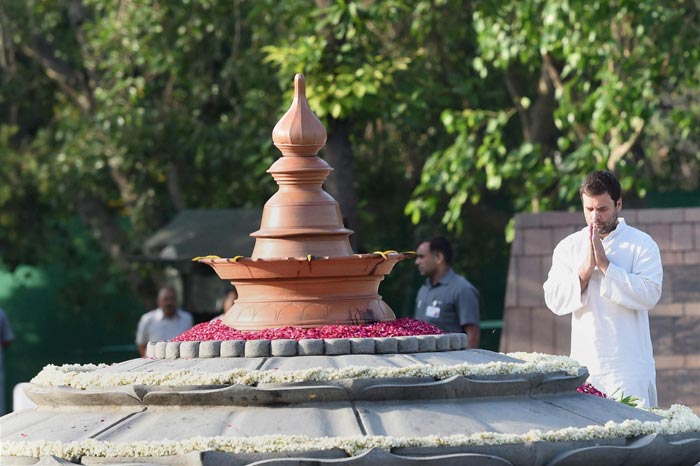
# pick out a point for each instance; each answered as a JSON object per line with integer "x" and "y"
{"x": 464, "y": 408}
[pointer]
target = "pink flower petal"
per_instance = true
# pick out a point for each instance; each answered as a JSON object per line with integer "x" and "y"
{"x": 218, "y": 331}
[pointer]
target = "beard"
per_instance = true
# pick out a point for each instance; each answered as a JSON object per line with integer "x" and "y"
{"x": 607, "y": 227}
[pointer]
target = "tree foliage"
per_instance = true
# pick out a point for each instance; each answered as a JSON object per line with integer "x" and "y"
{"x": 123, "y": 113}
{"x": 584, "y": 85}
{"x": 142, "y": 109}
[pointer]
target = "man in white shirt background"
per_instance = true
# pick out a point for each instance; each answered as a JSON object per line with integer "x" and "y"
{"x": 164, "y": 322}
{"x": 608, "y": 276}
{"x": 6, "y": 339}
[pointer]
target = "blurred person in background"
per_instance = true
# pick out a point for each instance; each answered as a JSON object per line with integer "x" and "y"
{"x": 164, "y": 322}
{"x": 446, "y": 299}
{"x": 226, "y": 302}
{"x": 6, "y": 339}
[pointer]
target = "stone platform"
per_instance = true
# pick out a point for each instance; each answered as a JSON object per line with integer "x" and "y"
{"x": 451, "y": 407}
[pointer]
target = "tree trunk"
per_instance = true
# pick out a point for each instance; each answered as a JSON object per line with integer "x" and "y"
{"x": 537, "y": 120}
{"x": 542, "y": 129}
{"x": 340, "y": 183}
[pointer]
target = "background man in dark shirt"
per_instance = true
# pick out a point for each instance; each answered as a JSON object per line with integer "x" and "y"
{"x": 446, "y": 300}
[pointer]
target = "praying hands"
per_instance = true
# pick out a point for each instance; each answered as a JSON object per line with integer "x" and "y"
{"x": 596, "y": 257}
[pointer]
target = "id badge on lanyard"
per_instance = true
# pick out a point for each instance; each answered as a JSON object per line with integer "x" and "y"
{"x": 433, "y": 311}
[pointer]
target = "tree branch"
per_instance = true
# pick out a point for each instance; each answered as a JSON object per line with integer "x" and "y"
{"x": 173, "y": 183}
{"x": 68, "y": 79}
{"x": 620, "y": 150}
{"x": 7, "y": 58}
{"x": 512, "y": 81}
{"x": 76, "y": 16}
{"x": 542, "y": 129}
{"x": 552, "y": 71}
{"x": 113, "y": 240}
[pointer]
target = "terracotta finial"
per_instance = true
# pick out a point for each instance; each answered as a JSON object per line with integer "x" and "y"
{"x": 303, "y": 271}
{"x": 299, "y": 132}
{"x": 301, "y": 219}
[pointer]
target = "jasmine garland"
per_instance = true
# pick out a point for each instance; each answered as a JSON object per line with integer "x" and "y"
{"x": 85, "y": 376}
{"x": 677, "y": 419}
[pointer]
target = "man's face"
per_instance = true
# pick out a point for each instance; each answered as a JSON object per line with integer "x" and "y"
{"x": 167, "y": 301}
{"x": 426, "y": 262}
{"x": 601, "y": 211}
{"x": 230, "y": 299}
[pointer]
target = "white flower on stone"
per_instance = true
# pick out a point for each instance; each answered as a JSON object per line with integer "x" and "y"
{"x": 90, "y": 375}
{"x": 675, "y": 420}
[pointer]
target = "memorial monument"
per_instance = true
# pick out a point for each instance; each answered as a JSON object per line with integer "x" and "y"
{"x": 389, "y": 399}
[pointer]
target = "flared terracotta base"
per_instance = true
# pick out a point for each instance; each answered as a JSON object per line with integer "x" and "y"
{"x": 307, "y": 292}
{"x": 307, "y": 311}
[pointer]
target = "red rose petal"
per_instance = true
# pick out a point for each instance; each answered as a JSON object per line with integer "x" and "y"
{"x": 218, "y": 331}
{"x": 590, "y": 390}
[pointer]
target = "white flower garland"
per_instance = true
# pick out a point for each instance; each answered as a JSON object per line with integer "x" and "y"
{"x": 85, "y": 376}
{"x": 677, "y": 419}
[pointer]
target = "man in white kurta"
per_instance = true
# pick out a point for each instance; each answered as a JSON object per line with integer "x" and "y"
{"x": 610, "y": 305}
{"x": 163, "y": 323}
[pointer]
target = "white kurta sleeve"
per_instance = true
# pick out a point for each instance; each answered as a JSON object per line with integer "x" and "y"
{"x": 562, "y": 290}
{"x": 639, "y": 289}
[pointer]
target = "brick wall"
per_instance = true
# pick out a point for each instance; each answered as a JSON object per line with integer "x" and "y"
{"x": 675, "y": 322}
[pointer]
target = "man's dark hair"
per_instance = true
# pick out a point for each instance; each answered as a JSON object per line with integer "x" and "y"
{"x": 601, "y": 182}
{"x": 440, "y": 244}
